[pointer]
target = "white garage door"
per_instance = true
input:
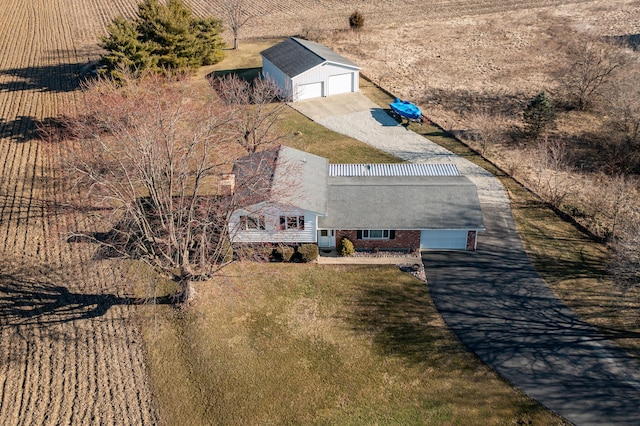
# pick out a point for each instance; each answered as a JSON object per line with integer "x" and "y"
{"x": 443, "y": 239}
{"x": 341, "y": 83}
{"x": 311, "y": 90}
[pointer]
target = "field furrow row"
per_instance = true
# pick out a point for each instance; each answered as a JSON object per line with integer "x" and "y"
{"x": 69, "y": 354}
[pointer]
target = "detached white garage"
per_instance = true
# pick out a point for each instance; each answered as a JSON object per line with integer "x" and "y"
{"x": 306, "y": 70}
{"x": 310, "y": 90}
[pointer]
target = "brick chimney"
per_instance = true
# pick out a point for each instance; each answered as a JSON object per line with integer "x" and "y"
{"x": 227, "y": 185}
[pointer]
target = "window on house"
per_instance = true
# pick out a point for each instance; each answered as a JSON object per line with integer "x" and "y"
{"x": 291, "y": 222}
{"x": 375, "y": 234}
{"x": 252, "y": 222}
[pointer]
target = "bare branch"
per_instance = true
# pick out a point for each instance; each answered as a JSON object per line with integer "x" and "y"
{"x": 591, "y": 68}
{"x": 151, "y": 154}
{"x": 257, "y": 120}
{"x": 237, "y": 15}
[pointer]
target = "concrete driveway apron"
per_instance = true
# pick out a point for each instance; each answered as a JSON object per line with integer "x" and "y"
{"x": 494, "y": 300}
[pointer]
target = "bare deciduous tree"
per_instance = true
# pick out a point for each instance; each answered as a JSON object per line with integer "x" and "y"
{"x": 625, "y": 264}
{"x": 152, "y": 156}
{"x": 553, "y": 179}
{"x": 591, "y": 68}
{"x": 257, "y": 104}
{"x": 625, "y": 107}
{"x": 620, "y": 196}
{"x": 489, "y": 129}
{"x": 237, "y": 15}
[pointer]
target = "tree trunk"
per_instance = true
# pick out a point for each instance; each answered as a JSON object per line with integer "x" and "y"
{"x": 186, "y": 292}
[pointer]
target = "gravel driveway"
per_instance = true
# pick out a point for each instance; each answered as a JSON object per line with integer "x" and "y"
{"x": 494, "y": 299}
{"x": 356, "y": 116}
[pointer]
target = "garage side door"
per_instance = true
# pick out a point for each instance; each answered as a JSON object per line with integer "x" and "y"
{"x": 443, "y": 240}
{"x": 341, "y": 83}
{"x": 309, "y": 91}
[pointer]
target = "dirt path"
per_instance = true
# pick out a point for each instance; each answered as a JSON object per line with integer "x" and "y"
{"x": 70, "y": 352}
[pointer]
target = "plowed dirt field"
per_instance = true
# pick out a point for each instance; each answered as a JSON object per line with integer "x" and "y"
{"x": 70, "y": 349}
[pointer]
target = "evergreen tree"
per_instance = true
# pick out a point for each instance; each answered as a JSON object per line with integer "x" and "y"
{"x": 162, "y": 37}
{"x": 124, "y": 48}
{"x": 539, "y": 114}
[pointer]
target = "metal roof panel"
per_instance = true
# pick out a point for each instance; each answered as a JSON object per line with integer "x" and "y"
{"x": 393, "y": 169}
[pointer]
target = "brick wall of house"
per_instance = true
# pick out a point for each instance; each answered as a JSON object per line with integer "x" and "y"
{"x": 404, "y": 240}
{"x": 471, "y": 240}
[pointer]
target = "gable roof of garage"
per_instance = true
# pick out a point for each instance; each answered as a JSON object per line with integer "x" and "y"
{"x": 402, "y": 202}
{"x": 295, "y": 56}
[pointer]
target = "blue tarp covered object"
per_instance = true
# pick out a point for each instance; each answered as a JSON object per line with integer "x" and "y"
{"x": 406, "y": 109}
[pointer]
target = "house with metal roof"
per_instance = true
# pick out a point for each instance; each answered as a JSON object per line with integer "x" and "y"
{"x": 304, "y": 69}
{"x": 301, "y": 198}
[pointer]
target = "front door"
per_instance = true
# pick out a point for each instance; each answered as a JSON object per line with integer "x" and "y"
{"x": 326, "y": 238}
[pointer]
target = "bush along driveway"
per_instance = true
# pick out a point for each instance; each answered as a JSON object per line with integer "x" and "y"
{"x": 494, "y": 299}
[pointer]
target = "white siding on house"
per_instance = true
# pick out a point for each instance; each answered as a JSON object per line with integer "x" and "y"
{"x": 271, "y": 71}
{"x": 272, "y": 232}
{"x": 322, "y": 73}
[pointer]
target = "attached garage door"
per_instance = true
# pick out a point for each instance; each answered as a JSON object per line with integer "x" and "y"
{"x": 311, "y": 90}
{"x": 341, "y": 83}
{"x": 443, "y": 239}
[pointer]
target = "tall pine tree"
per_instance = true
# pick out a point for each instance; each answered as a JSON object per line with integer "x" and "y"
{"x": 163, "y": 37}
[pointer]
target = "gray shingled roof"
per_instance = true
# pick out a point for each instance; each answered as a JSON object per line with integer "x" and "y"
{"x": 402, "y": 203}
{"x": 295, "y": 56}
{"x": 301, "y": 180}
{"x": 283, "y": 175}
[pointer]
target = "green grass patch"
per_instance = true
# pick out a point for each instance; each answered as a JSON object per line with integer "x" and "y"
{"x": 309, "y": 344}
{"x": 304, "y": 134}
{"x": 375, "y": 93}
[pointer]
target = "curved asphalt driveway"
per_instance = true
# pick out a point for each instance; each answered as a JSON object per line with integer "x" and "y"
{"x": 501, "y": 309}
{"x": 494, "y": 300}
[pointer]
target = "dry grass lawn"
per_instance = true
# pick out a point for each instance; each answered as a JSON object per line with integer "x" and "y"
{"x": 309, "y": 344}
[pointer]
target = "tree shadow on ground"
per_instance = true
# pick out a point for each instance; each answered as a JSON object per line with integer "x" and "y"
{"x": 246, "y": 74}
{"x": 21, "y": 129}
{"x": 629, "y": 40}
{"x": 62, "y": 77}
{"x": 37, "y": 294}
{"x": 403, "y": 322}
{"x": 25, "y": 128}
{"x": 464, "y": 102}
{"x": 501, "y": 310}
